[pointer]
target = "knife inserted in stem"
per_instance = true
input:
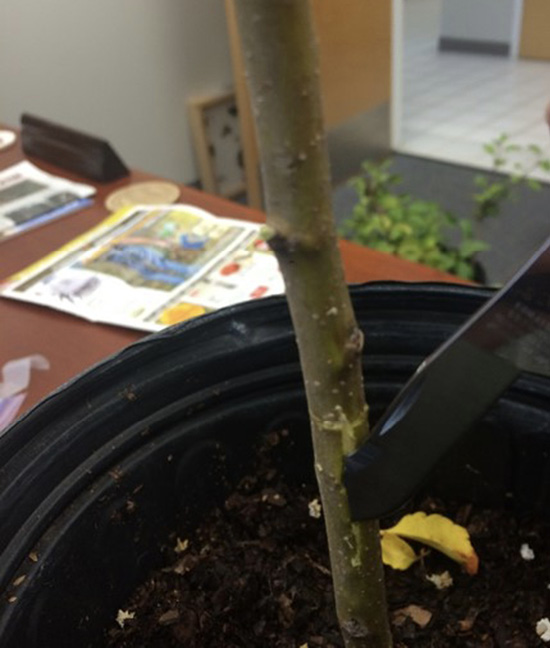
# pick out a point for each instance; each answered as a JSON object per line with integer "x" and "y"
{"x": 452, "y": 389}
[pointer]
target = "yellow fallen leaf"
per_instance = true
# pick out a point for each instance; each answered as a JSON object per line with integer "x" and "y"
{"x": 396, "y": 552}
{"x": 440, "y": 533}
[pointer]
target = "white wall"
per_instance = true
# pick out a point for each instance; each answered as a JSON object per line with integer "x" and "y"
{"x": 119, "y": 69}
{"x": 486, "y": 20}
{"x": 421, "y": 19}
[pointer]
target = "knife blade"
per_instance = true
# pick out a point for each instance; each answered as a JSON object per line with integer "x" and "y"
{"x": 452, "y": 389}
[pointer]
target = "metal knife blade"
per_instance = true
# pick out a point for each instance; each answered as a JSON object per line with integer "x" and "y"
{"x": 451, "y": 390}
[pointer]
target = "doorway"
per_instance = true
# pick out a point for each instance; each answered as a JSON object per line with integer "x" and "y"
{"x": 447, "y": 103}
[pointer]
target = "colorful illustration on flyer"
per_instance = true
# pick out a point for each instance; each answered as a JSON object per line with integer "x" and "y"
{"x": 165, "y": 250}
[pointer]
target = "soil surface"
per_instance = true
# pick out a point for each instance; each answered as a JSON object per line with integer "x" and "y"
{"x": 256, "y": 573}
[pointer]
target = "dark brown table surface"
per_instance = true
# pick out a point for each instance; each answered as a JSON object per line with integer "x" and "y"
{"x": 72, "y": 344}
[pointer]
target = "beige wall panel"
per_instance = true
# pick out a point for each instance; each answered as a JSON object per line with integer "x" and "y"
{"x": 535, "y": 38}
{"x": 355, "y": 51}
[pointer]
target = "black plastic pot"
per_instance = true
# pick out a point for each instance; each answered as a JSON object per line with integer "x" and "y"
{"x": 93, "y": 480}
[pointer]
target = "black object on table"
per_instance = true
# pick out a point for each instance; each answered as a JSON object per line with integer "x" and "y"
{"x": 80, "y": 153}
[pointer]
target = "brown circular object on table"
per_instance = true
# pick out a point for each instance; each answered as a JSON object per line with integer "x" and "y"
{"x": 7, "y": 139}
{"x": 154, "y": 192}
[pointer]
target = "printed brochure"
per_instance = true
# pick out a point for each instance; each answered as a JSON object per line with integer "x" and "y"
{"x": 148, "y": 267}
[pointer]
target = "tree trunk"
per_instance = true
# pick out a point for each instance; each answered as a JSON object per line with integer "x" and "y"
{"x": 282, "y": 67}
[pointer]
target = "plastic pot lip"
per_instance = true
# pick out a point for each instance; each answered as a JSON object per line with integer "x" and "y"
{"x": 222, "y": 340}
{"x": 213, "y": 339}
{"x": 270, "y": 312}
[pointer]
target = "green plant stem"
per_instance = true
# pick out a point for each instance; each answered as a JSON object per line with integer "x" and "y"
{"x": 282, "y": 66}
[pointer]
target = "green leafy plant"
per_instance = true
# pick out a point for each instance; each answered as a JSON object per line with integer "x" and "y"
{"x": 425, "y": 232}
{"x": 493, "y": 190}
{"x": 410, "y": 228}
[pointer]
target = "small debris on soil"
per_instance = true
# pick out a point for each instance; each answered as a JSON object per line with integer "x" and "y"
{"x": 314, "y": 508}
{"x": 181, "y": 545}
{"x": 419, "y": 615}
{"x": 169, "y": 618}
{"x": 441, "y": 581}
{"x": 123, "y": 616}
{"x": 543, "y": 629}
{"x": 256, "y": 573}
{"x": 526, "y": 552}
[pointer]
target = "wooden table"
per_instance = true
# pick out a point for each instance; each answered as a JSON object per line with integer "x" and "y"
{"x": 72, "y": 344}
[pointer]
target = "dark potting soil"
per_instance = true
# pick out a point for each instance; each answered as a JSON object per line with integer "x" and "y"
{"x": 256, "y": 573}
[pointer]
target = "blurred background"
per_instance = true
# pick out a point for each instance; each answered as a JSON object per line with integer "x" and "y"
{"x": 427, "y": 82}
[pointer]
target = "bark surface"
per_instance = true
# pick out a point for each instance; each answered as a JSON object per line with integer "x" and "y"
{"x": 281, "y": 61}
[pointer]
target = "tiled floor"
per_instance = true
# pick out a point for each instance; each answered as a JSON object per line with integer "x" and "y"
{"x": 454, "y": 103}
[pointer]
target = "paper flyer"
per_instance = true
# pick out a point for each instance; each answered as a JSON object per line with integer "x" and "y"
{"x": 147, "y": 267}
{"x": 30, "y": 197}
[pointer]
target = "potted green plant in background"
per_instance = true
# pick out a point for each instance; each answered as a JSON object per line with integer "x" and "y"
{"x": 425, "y": 232}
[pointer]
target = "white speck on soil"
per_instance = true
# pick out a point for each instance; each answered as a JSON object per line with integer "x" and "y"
{"x": 441, "y": 581}
{"x": 543, "y": 629}
{"x": 526, "y": 552}
{"x": 315, "y": 508}
{"x": 123, "y": 616}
